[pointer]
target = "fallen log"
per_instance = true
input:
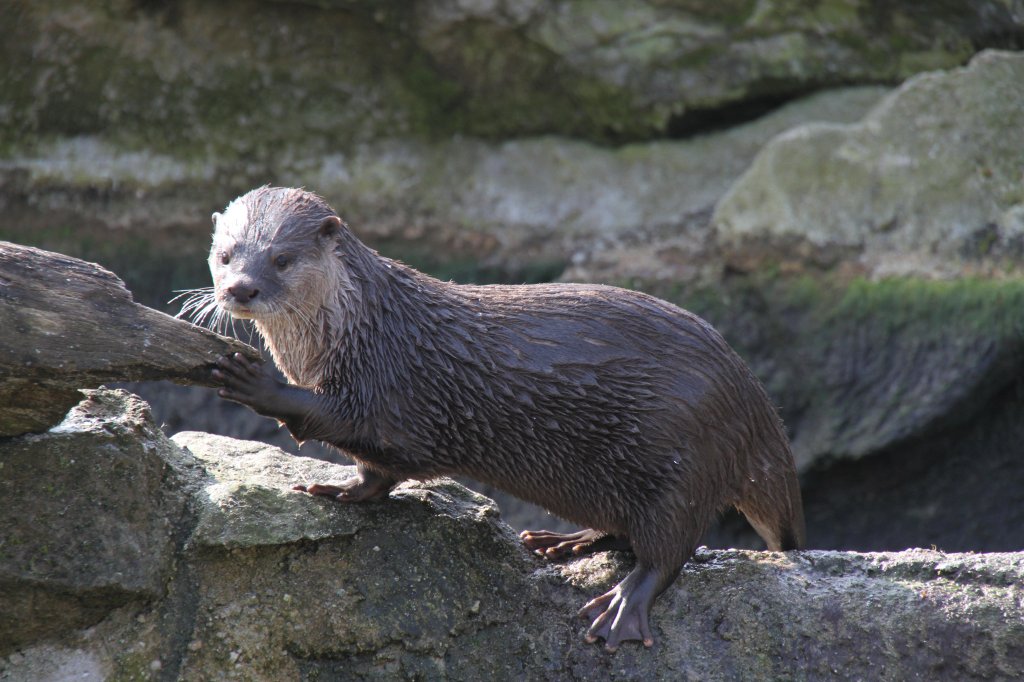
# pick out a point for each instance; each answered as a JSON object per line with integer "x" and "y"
{"x": 66, "y": 324}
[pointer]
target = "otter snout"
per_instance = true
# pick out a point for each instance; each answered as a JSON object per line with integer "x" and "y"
{"x": 242, "y": 293}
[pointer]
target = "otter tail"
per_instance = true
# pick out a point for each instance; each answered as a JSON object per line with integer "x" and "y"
{"x": 772, "y": 504}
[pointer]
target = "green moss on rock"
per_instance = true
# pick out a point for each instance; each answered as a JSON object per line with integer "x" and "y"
{"x": 937, "y": 309}
{"x": 859, "y": 366}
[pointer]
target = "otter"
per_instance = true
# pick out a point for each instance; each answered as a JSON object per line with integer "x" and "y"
{"x": 610, "y": 408}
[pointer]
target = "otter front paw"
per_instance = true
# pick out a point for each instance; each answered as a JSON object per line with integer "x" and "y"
{"x": 355, "y": 489}
{"x": 246, "y": 382}
{"x": 367, "y": 484}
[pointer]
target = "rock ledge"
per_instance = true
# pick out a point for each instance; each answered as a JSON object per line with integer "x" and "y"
{"x": 235, "y": 576}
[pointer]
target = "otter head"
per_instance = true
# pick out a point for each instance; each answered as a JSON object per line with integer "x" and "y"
{"x": 274, "y": 255}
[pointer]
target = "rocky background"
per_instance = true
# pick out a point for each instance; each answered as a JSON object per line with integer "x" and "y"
{"x": 837, "y": 185}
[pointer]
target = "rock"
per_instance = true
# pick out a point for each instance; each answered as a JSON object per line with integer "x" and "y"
{"x": 957, "y": 489}
{"x": 92, "y": 513}
{"x": 448, "y": 132}
{"x": 929, "y": 182}
{"x": 543, "y": 200}
{"x": 249, "y": 501}
{"x": 894, "y": 361}
{"x": 66, "y": 324}
{"x": 334, "y": 608}
{"x": 194, "y": 76}
{"x": 270, "y": 584}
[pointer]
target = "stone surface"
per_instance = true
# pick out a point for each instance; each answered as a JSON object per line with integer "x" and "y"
{"x": 894, "y": 361}
{"x": 192, "y": 75}
{"x": 249, "y": 502}
{"x": 960, "y": 490}
{"x": 92, "y": 511}
{"x": 365, "y": 588}
{"x": 269, "y": 584}
{"x": 929, "y": 182}
{"x": 550, "y": 200}
{"x": 66, "y": 324}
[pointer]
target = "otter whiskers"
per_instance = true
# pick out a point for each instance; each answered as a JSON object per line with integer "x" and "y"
{"x": 200, "y": 308}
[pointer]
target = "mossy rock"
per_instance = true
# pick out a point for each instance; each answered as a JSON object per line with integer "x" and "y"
{"x": 861, "y": 366}
{"x": 192, "y": 76}
{"x": 928, "y": 182}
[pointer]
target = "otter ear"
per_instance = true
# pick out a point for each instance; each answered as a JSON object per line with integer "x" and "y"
{"x": 330, "y": 227}
{"x": 215, "y": 217}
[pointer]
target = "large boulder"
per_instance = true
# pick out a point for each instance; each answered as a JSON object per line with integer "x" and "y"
{"x": 537, "y": 204}
{"x": 929, "y": 182}
{"x": 201, "y": 563}
{"x": 94, "y": 512}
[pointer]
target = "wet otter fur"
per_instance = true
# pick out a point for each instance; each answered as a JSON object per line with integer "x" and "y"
{"x": 610, "y": 408}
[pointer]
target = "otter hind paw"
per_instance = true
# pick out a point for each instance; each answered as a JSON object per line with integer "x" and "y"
{"x": 623, "y": 613}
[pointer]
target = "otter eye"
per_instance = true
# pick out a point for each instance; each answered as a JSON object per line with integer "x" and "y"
{"x": 281, "y": 261}
{"x": 224, "y": 258}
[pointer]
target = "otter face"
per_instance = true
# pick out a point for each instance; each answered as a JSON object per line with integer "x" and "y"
{"x": 270, "y": 254}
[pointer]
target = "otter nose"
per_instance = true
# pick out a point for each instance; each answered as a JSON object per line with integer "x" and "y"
{"x": 242, "y": 293}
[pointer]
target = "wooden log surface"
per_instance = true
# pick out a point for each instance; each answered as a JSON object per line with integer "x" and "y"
{"x": 66, "y": 324}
